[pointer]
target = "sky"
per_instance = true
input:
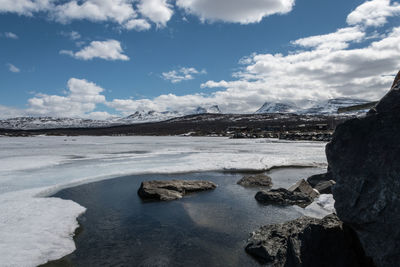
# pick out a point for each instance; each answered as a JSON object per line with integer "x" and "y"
{"x": 103, "y": 58}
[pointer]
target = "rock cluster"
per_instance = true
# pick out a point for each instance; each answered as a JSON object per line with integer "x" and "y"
{"x": 300, "y": 194}
{"x": 258, "y": 180}
{"x": 364, "y": 158}
{"x": 173, "y": 189}
{"x": 307, "y": 242}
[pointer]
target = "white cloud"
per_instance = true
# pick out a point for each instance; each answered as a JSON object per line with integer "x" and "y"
{"x": 183, "y": 74}
{"x": 238, "y": 11}
{"x": 13, "y": 68}
{"x": 137, "y": 24}
{"x": 158, "y": 11}
{"x": 24, "y": 7}
{"x": 373, "y": 13}
{"x": 10, "y": 35}
{"x": 73, "y": 35}
{"x": 121, "y": 12}
{"x": 333, "y": 41}
{"x": 81, "y": 99}
{"x": 107, "y": 50}
{"x": 94, "y": 10}
{"x": 10, "y": 112}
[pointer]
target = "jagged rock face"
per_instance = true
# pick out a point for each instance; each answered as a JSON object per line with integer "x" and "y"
{"x": 307, "y": 242}
{"x": 364, "y": 158}
{"x": 171, "y": 190}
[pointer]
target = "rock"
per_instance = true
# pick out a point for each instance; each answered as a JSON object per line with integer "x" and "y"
{"x": 325, "y": 187}
{"x": 283, "y": 196}
{"x": 317, "y": 178}
{"x": 307, "y": 242}
{"x": 174, "y": 189}
{"x": 303, "y": 187}
{"x": 364, "y": 157}
{"x": 256, "y": 180}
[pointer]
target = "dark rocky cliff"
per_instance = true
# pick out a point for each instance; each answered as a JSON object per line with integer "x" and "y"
{"x": 364, "y": 158}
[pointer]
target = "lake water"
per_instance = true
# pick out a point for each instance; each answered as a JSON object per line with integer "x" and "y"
{"x": 202, "y": 229}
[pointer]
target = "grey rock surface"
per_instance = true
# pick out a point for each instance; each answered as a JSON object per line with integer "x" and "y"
{"x": 283, "y": 196}
{"x": 173, "y": 189}
{"x": 307, "y": 242}
{"x": 317, "y": 178}
{"x": 325, "y": 187}
{"x": 303, "y": 187}
{"x": 257, "y": 180}
{"x": 364, "y": 157}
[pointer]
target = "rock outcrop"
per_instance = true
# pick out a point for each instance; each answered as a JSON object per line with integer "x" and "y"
{"x": 283, "y": 196}
{"x": 317, "y": 178}
{"x": 303, "y": 187}
{"x": 364, "y": 158}
{"x": 258, "y": 180}
{"x": 307, "y": 242}
{"x": 171, "y": 190}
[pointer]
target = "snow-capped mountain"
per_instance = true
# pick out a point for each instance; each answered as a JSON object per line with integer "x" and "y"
{"x": 210, "y": 110}
{"x": 28, "y": 123}
{"x": 328, "y": 107}
{"x": 149, "y": 116}
{"x": 331, "y": 106}
{"x": 270, "y": 107}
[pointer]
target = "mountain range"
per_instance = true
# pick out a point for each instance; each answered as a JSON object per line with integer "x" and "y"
{"x": 328, "y": 107}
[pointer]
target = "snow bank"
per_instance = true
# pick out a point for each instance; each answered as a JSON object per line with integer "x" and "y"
{"x": 34, "y": 230}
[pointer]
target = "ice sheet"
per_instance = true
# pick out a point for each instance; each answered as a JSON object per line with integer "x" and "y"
{"x": 34, "y": 230}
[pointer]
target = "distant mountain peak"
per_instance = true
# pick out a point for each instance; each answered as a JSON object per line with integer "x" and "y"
{"x": 327, "y": 107}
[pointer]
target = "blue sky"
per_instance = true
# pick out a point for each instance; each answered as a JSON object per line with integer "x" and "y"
{"x": 98, "y": 58}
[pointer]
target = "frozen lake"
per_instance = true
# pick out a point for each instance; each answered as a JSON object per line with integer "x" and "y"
{"x": 34, "y": 229}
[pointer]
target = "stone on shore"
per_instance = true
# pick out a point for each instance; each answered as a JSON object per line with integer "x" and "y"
{"x": 284, "y": 197}
{"x": 325, "y": 187}
{"x": 317, "y": 178}
{"x": 307, "y": 242}
{"x": 173, "y": 189}
{"x": 258, "y": 180}
{"x": 364, "y": 157}
{"x": 303, "y": 187}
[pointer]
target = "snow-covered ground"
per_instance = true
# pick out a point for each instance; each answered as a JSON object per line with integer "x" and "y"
{"x": 34, "y": 229}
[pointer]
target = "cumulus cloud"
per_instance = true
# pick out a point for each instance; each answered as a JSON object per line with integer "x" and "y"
{"x": 373, "y": 13}
{"x": 336, "y": 40}
{"x": 107, "y": 50}
{"x": 129, "y": 14}
{"x": 13, "y": 68}
{"x": 80, "y": 100}
{"x": 182, "y": 74}
{"x": 158, "y": 11}
{"x": 137, "y": 24}
{"x": 10, "y": 112}
{"x": 237, "y": 11}
{"x": 24, "y": 7}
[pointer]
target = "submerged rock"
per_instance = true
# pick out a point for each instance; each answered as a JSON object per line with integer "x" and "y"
{"x": 256, "y": 180}
{"x": 303, "y": 187}
{"x": 283, "y": 196}
{"x": 173, "y": 189}
{"x": 307, "y": 242}
{"x": 364, "y": 157}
